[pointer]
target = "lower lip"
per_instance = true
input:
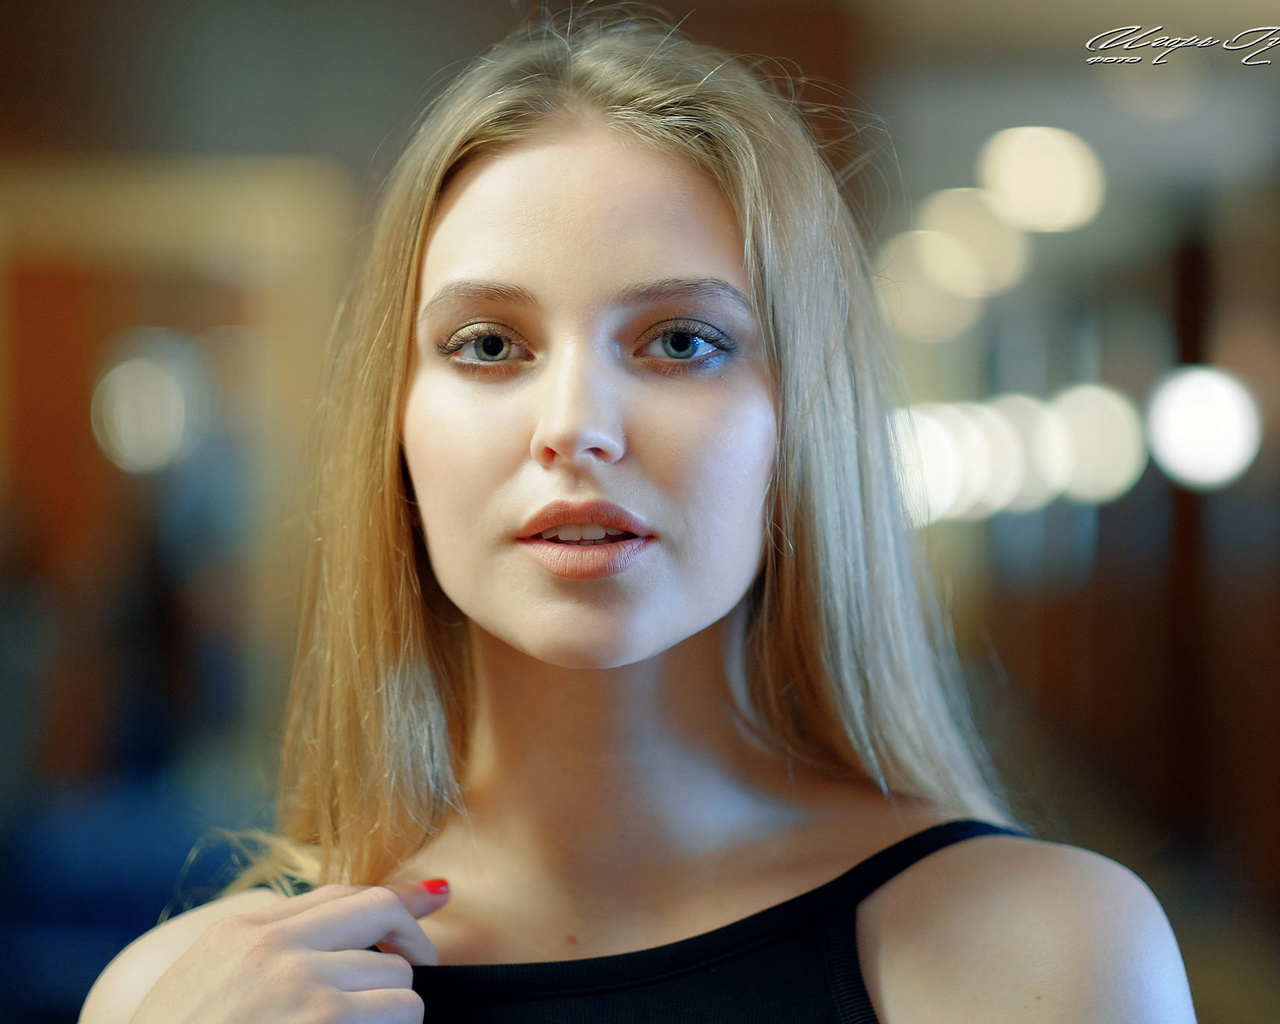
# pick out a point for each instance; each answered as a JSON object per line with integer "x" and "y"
{"x": 586, "y": 561}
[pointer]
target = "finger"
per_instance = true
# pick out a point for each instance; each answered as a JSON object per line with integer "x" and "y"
{"x": 419, "y": 900}
{"x": 420, "y": 955}
{"x": 361, "y": 970}
{"x": 293, "y": 905}
{"x": 358, "y": 921}
{"x": 386, "y": 1006}
{"x": 424, "y": 898}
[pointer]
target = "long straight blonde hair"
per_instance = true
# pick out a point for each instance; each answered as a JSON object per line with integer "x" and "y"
{"x": 849, "y": 665}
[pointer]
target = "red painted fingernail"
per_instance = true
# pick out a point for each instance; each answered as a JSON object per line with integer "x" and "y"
{"x": 435, "y": 886}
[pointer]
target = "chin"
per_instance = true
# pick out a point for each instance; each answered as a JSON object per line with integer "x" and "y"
{"x": 581, "y": 652}
{"x": 575, "y": 639}
{"x": 586, "y": 642}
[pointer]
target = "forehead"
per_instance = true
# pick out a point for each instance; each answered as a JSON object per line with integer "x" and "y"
{"x": 583, "y": 204}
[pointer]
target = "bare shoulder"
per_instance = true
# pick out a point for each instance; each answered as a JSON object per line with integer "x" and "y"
{"x": 1003, "y": 928}
{"x": 130, "y": 976}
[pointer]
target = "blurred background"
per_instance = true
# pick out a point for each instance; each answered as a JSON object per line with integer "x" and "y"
{"x": 1081, "y": 262}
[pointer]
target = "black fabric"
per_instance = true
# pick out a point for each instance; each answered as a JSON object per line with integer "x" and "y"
{"x": 791, "y": 963}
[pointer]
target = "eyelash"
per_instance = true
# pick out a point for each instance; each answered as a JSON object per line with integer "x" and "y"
{"x": 718, "y": 339}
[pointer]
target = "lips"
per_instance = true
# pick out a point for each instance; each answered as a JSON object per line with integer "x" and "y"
{"x": 586, "y": 561}
{"x": 601, "y": 513}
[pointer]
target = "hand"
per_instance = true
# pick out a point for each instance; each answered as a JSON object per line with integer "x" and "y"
{"x": 304, "y": 960}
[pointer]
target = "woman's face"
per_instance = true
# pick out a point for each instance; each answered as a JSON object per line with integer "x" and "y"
{"x": 583, "y": 336}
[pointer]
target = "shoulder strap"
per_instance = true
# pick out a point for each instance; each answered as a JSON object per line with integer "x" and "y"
{"x": 870, "y": 874}
{"x": 844, "y": 973}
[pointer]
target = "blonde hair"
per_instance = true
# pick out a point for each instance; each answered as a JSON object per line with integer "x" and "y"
{"x": 849, "y": 666}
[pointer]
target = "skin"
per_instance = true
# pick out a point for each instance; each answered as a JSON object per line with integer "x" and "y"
{"x": 614, "y": 801}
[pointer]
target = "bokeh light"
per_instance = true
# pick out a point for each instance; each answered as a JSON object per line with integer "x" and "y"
{"x": 1106, "y": 437}
{"x": 971, "y": 216}
{"x": 970, "y": 460}
{"x": 151, "y": 405}
{"x": 1204, "y": 427}
{"x": 1049, "y": 458}
{"x": 950, "y": 264}
{"x": 139, "y": 415}
{"x": 1044, "y": 179}
{"x": 1005, "y": 462}
{"x": 974, "y": 454}
{"x": 905, "y": 282}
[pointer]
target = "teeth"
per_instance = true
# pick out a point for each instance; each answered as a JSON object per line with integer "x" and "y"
{"x": 580, "y": 532}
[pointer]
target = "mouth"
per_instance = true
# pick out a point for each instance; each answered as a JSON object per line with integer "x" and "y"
{"x": 591, "y": 541}
{"x": 585, "y": 536}
{"x": 586, "y": 540}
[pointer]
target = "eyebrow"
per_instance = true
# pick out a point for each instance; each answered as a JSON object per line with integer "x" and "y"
{"x": 509, "y": 294}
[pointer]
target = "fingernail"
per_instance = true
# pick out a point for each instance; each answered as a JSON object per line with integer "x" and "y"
{"x": 435, "y": 886}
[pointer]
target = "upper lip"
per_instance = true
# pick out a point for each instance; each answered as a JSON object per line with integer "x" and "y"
{"x": 602, "y": 513}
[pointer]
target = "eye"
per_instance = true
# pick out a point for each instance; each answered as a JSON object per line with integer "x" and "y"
{"x": 489, "y": 343}
{"x": 690, "y": 342}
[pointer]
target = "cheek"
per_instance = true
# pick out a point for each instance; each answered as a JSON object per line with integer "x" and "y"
{"x": 452, "y": 456}
{"x": 727, "y": 480}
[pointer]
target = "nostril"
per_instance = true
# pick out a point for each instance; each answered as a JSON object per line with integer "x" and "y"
{"x": 597, "y": 444}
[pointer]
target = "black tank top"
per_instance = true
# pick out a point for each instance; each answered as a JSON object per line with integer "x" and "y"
{"x": 791, "y": 963}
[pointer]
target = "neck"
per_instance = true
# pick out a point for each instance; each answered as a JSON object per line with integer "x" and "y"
{"x": 572, "y": 769}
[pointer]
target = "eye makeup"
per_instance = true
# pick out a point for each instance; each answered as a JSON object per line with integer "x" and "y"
{"x": 685, "y": 346}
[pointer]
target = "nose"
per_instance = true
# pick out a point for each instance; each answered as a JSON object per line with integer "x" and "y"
{"x": 579, "y": 417}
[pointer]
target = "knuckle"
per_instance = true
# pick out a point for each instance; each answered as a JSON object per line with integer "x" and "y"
{"x": 382, "y": 898}
{"x": 405, "y": 1006}
{"x": 266, "y": 940}
{"x": 225, "y": 928}
{"x": 400, "y": 969}
{"x": 292, "y": 974}
{"x": 240, "y": 935}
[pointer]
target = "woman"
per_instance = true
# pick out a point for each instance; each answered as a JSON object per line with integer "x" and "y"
{"x": 613, "y": 621}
